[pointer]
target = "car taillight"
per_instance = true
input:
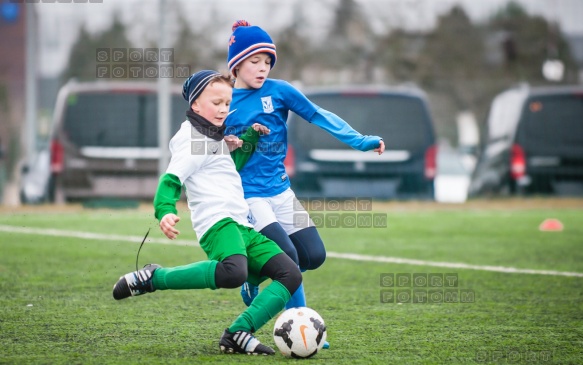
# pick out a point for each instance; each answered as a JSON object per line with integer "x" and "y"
{"x": 517, "y": 162}
{"x": 431, "y": 162}
{"x": 290, "y": 162}
{"x": 57, "y": 156}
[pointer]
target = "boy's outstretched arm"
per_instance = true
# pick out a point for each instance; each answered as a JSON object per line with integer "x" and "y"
{"x": 249, "y": 142}
{"x": 342, "y": 131}
{"x": 167, "y": 194}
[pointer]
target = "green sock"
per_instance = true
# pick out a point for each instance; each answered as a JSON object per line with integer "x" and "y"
{"x": 268, "y": 303}
{"x": 199, "y": 275}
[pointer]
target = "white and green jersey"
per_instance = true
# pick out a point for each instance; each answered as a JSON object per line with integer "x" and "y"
{"x": 209, "y": 174}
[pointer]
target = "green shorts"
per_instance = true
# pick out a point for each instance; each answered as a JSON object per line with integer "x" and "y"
{"x": 227, "y": 237}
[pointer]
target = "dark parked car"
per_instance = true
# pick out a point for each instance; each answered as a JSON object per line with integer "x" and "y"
{"x": 534, "y": 144}
{"x": 104, "y": 143}
{"x": 322, "y": 166}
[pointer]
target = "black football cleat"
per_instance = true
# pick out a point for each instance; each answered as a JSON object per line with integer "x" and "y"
{"x": 135, "y": 283}
{"x": 243, "y": 343}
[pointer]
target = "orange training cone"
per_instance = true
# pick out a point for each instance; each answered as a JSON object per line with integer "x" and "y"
{"x": 551, "y": 225}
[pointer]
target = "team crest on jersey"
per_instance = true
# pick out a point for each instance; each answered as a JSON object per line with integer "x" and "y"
{"x": 267, "y": 104}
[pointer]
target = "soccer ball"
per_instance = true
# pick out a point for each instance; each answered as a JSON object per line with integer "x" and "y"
{"x": 299, "y": 332}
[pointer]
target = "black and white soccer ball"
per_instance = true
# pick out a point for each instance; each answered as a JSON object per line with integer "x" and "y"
{"x": 299, "y": 332}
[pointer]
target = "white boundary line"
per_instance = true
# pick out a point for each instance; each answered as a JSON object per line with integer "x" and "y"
{"x": 336, "y": 255}
{"x": 450, "y": 265}
{"x": 92, "y": 236}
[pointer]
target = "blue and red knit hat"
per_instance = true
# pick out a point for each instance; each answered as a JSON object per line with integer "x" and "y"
{"x": 248, "y": 40}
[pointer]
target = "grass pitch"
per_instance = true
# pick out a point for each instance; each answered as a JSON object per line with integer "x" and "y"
{"x": 56, "y": 305}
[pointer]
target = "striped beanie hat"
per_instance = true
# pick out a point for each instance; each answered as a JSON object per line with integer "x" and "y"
{"x": 196, "y": 83}
{"x": 248, "y": 40}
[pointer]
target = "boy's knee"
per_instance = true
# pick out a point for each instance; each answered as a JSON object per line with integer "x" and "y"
{"x": 281, "y": 268}
{"x": 317, "y": 260}
{"x": 313, "y": 261}
{"x": 232, "y": 272}
{"x": 234, "y": 280}
{"x": 311, "y": 250}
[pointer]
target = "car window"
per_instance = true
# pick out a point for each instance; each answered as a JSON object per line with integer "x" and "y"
{"x": 552, "y": 124}
{"x": 402, "y": 121}
{"x": 119, "y": 119}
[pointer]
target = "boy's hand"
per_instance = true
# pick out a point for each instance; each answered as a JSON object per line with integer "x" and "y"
{"x": 167, "y": 224}
{"x": 233, "y": 142}
{"x": 381, "y": 148}
{"x": 260, "y": 128}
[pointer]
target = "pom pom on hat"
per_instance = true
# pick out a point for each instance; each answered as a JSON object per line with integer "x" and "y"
{"x": 240, "y": 23}
{"x": 246, "y": 41}
{"x": 196, "y": 83}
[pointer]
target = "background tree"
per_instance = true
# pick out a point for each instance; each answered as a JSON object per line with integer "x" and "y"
{"x": 528, "y": 42}
{"x": 451, "y": 61}
{"x": 350, "y": 44}
{"x": 82, "y": 63}
{"x": 192, "y": 48}
{"x": 398, "y": 54}
{"x": 293, "y": 49}
{"x": 450, "y": 67}
{"x": 460, "y": 65}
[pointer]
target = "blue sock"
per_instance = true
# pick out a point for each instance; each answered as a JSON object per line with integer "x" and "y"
{"x": 298, "y": 299}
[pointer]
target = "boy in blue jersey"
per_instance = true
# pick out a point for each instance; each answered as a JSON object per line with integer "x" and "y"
{"x": 274, "y": 209}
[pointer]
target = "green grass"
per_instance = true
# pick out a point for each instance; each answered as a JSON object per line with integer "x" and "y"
{"x": 56, "y": 305}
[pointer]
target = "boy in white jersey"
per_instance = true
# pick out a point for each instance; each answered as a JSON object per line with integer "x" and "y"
{"x": 236, "y": 253}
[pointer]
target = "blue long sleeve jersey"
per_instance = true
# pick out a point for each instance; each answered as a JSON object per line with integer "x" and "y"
{"x": 264, "y": 174}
